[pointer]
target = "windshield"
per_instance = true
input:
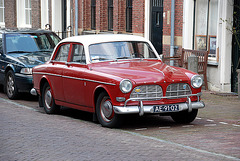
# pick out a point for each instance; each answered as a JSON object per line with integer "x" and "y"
{"x": 30, "y": 42}
{"x": 120, "y": 50}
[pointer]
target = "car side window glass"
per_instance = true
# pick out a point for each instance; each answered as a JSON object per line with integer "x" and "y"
{"x": 1, "y": 49}
{"x": 55, "y": 39}
{"x": 78, "y": 54}
{"x": 62, "y": 54}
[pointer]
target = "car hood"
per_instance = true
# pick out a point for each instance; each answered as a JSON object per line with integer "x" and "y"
{"x": 144, "y": 71}
{"x": 30, "y": 59}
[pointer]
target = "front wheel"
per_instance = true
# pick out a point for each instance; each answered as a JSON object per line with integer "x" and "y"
{"x": 105, "y": 112}
{"x": 48, "y": 101}
{"x": 10, "y": 85}
{"x": 185, "y": 116}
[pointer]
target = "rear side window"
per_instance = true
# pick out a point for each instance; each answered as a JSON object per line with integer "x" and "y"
{"x": 62, "y": 53}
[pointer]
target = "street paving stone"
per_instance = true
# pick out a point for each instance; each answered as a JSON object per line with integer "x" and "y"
{"x": 26, "y": 133}
{"x": 30, "y": 135}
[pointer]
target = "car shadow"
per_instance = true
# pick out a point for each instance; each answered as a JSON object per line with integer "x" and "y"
{"x": 22, "y": 96}
{"x": 133, "y": 121}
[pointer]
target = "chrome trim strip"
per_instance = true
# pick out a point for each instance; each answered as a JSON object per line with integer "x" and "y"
{"x": 82, "y": 79}
{"x": 149, "y": 108}
{"x": 47, "y": 74}
{"x": 159, "y": 98}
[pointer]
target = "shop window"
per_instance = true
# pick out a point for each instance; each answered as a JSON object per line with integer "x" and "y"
{"x": 206, "y": 26}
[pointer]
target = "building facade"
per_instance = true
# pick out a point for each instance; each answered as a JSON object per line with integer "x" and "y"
{"x": 198, "y": 25}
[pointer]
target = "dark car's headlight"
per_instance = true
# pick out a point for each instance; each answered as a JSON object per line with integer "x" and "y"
{"x": 196, "y": 81}
{"x": 125, "y": 86}
{"x": 26, "y": 71}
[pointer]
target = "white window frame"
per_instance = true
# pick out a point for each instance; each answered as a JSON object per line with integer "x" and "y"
{"x": 21, "y": 14}
{"x": 2, "y": 23}
{"x": 28, "y": 9}
{"x": 44, "y": 13}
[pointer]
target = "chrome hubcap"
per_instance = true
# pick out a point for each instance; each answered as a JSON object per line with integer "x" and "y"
{"x": 48, "y": 98}
{"x": 10, "y": 85}
{"x": 106, "y": 109}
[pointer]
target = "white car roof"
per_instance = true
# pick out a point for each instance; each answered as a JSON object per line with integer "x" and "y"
{"x": 100, "y": 38}
{"x": 87, "y": 40}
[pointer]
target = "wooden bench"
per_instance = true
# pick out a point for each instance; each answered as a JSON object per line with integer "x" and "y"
{"x": 177, "y": 60}
{"x": 202, "y": 62}
{"x": 182, "y": 61}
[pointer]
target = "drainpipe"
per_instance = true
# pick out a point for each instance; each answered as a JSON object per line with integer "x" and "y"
{"x": 172, "y": 31}
{"x": 76, "y": 17}
{"x": 194, "y": 16}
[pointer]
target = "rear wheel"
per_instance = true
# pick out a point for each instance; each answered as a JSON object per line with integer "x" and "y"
{"x": 105, "y": 112}
{"x": 48, "y": 101}
{"x": 185, "y": 116}
{"x": 10, "y": 85}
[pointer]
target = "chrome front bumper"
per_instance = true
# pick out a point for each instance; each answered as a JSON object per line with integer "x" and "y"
{"x": 141, "y": 109}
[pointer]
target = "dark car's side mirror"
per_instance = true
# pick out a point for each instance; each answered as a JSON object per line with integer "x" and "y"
{"x": 1, "y": 52}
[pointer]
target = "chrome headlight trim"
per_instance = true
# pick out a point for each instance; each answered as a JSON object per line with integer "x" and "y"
{"x": 196, "y": 81}
{"x": 125, "y": 86}
{"x": 27, "y": 71}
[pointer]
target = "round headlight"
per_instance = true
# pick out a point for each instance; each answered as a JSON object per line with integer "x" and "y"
{"x": 196, "y": 81}
{"x": 125, "y": 86}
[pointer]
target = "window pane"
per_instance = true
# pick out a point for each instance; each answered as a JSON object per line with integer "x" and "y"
{"x": 129, "y": 16}
{"x": 62, "y": 54}
{"x": 93, "y": 14}
{"x": 1, "y": 3}
{"x": 78, "y": 54}
{"x": 110, "y": 15}
{"x": 120, "y": 50}
{"x": 1, "y": 15}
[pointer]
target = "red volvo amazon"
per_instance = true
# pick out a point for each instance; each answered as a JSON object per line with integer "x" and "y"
{"x": 114, "y": 75}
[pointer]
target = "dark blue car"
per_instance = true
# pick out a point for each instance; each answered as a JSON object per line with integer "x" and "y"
{"x": 20, "y": 51}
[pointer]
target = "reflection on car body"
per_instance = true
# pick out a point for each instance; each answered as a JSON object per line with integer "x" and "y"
{"x": 115, "y": 75}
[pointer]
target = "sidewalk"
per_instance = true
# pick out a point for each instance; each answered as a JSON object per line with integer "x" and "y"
{"x": 221, "y": 106}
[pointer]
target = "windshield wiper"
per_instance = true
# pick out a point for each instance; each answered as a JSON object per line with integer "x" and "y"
{"x": 100, "y": 58}
{"x": 20, "y": 51}
{"x": 125, "y": 57}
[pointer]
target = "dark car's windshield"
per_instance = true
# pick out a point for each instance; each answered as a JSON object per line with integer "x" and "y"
{"x": 30, "y": 42}
{"x": 120, "y": 50}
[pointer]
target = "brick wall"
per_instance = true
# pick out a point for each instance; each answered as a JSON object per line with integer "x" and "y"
{"x": 138, "y": 16}
{"x": 10, "y": 13}
{"x": 36, "y": 13}
{"x": 119, "y": 16}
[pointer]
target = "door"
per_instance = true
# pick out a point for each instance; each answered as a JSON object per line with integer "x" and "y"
{"x": 236, "y": 46}
{"x": 73, "y": 77}
{"x": 157, "y": 24}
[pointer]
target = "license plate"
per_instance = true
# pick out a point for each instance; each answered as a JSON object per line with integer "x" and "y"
{"x": 165, "y": 108}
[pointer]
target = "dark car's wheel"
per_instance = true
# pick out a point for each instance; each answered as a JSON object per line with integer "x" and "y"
{"x": 184, "y": 116}
{"x": 105, "y": 112}
{"x": 10, "y": 85}
{"x": 48, "y": 101}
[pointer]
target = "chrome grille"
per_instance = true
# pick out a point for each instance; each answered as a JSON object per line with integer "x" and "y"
{"x": 178, "y": 89}
{"x": 147, "y": 91}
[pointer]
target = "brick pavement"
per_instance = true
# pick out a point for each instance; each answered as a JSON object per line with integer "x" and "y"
{"x": 26, "y": 134}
